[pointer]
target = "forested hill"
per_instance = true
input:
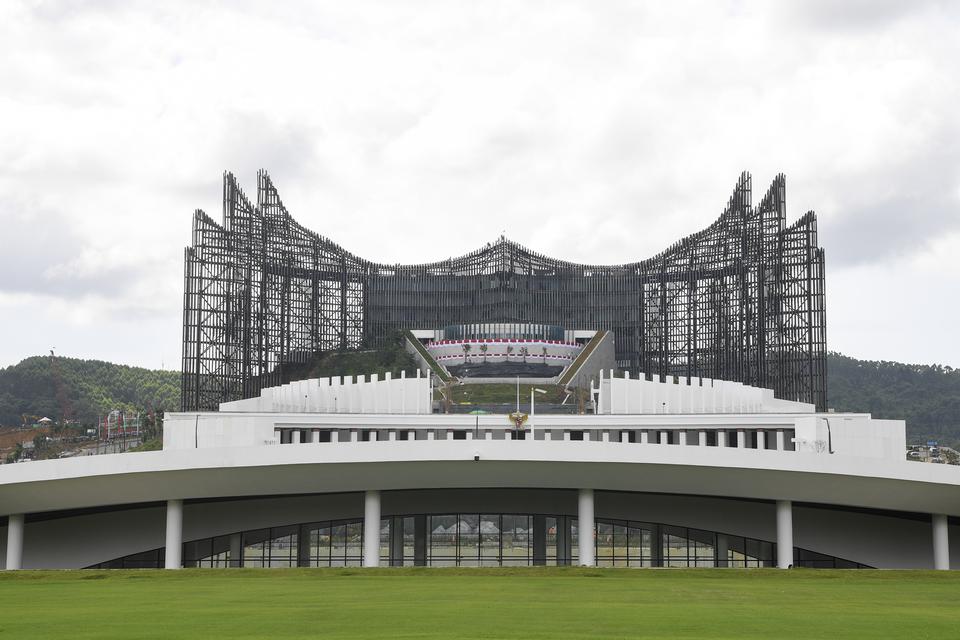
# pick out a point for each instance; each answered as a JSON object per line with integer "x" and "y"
{"x": 926, "y": 396}
{"x": 93, "y": 387}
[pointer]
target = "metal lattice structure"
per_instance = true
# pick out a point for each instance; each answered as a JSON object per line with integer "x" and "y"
{"x": 741, "y": 300}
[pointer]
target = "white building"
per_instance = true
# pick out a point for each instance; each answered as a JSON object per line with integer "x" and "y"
{"x": 337, "y": 472}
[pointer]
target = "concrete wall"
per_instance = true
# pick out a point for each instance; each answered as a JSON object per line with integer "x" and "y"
{"x": 602, "y": 358}
{"x": 346, "y": 394}
{"x": 635, "y": 394}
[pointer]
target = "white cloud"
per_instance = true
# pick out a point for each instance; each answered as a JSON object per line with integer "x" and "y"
{"x": 596, "y": 133}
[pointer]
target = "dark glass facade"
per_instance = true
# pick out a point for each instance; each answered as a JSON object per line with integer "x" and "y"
{"x": 479, "y": 540}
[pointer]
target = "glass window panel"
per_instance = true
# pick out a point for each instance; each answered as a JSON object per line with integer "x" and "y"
{"x": 574, "y": 541}
{"x": 442, "y": 540}
{"x": 468, "y": 537}
{"x": 604, "y": 544}
{"x": 385, "y": 541}
{"x": 551, "y": 549}
{"x": 409, "y": 540}
{"x": 354, "y": 542}
{"x": 517, "y": 533}
{"x": 489, "y": 533}
{"x": 338, "y": 550}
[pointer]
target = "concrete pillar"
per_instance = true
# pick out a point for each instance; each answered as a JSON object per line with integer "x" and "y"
{"x": 314, "y": 436}
{"x": 539, "y": 540}
{"x": 741, "y": 439}
{"x": 780, "y": 440}
{"x": 334, "y": 436}
{"x": 721, "y": 438}
{"x": 354, "y": 435}
{"x": 303, "y": 546}
{"x": 373, "y": 435}
{"x": 391, "y": 435}
{"x": 236, "y": 550}
{"x": 563, "y": 541}
{"x": 941, "y": 543}
{"x": 585, "y": 525}
{"x": 682, "y": 438}
{"x": 784, "y": 534}
{"x": 420, "y": 540}
{"x": 174, "y": 544}
{"x": 644, "y": 437}
{"x": 431, "y": 435}
{"x": 371, "y": 529}
{"x": 664, "y": 437}
{"x": 396, "y": 541}
{"x": 723, "y": 550}
{"x": 761, "y": 440}
{"x": 605, "y": 436}
{"x": 702, "y": 439}
{"x": 295, "y": 436}
{"x": 14, "y": 542}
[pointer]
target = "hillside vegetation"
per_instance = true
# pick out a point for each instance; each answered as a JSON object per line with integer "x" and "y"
{"x": 926, "y": 396}
{"x": 92, "y": 387}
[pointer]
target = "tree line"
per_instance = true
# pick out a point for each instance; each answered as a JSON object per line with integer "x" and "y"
{"x": 90, "y": 388}
{"x": 926, "y": 396}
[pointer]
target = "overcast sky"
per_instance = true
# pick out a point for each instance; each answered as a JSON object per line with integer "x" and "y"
{"x": 594, "y": 132}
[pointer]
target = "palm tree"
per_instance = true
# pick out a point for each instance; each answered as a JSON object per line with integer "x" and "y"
{"x": 509, "y": 351}
{"x": 466, "y": 351}
{"x": 524, "y": 351}
{"x": 483, "y": 351}
{"x": 544, "y": 354}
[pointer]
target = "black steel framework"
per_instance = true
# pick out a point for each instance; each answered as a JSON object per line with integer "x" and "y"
{"x": 741, "y": 300}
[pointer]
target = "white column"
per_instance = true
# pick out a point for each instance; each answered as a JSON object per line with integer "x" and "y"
{"x": 14, "y": 541}
{"x": 585, "y": 526}
{"x": 664, "y": 437}
{"x": 314, "y": 436}
{"x": 644, "y": 437}
{"x": 721, "y": 438}
{"x": 784, "y": 534}
{"x": 941, "y": 543}
{"x": 334, "y": 436}
{"x": 780, "y": 440}
{"x": 295, "y": 436}
{"x": 702, "y": 439}
{"x": 741, "y": 439}
{"x": 605, "y": 436}
{"x": 682, "y": 437}
{"x": 761, "y": 439}
{"x": 391, "y": 435}
{"x": 371, "y": 529}
{"x": 174, "y": 544}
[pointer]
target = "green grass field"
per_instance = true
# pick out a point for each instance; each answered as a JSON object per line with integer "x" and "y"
{"x": 479, "y": 603}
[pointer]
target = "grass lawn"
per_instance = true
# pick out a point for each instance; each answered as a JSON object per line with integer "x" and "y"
{"x": 479, "y": 603}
